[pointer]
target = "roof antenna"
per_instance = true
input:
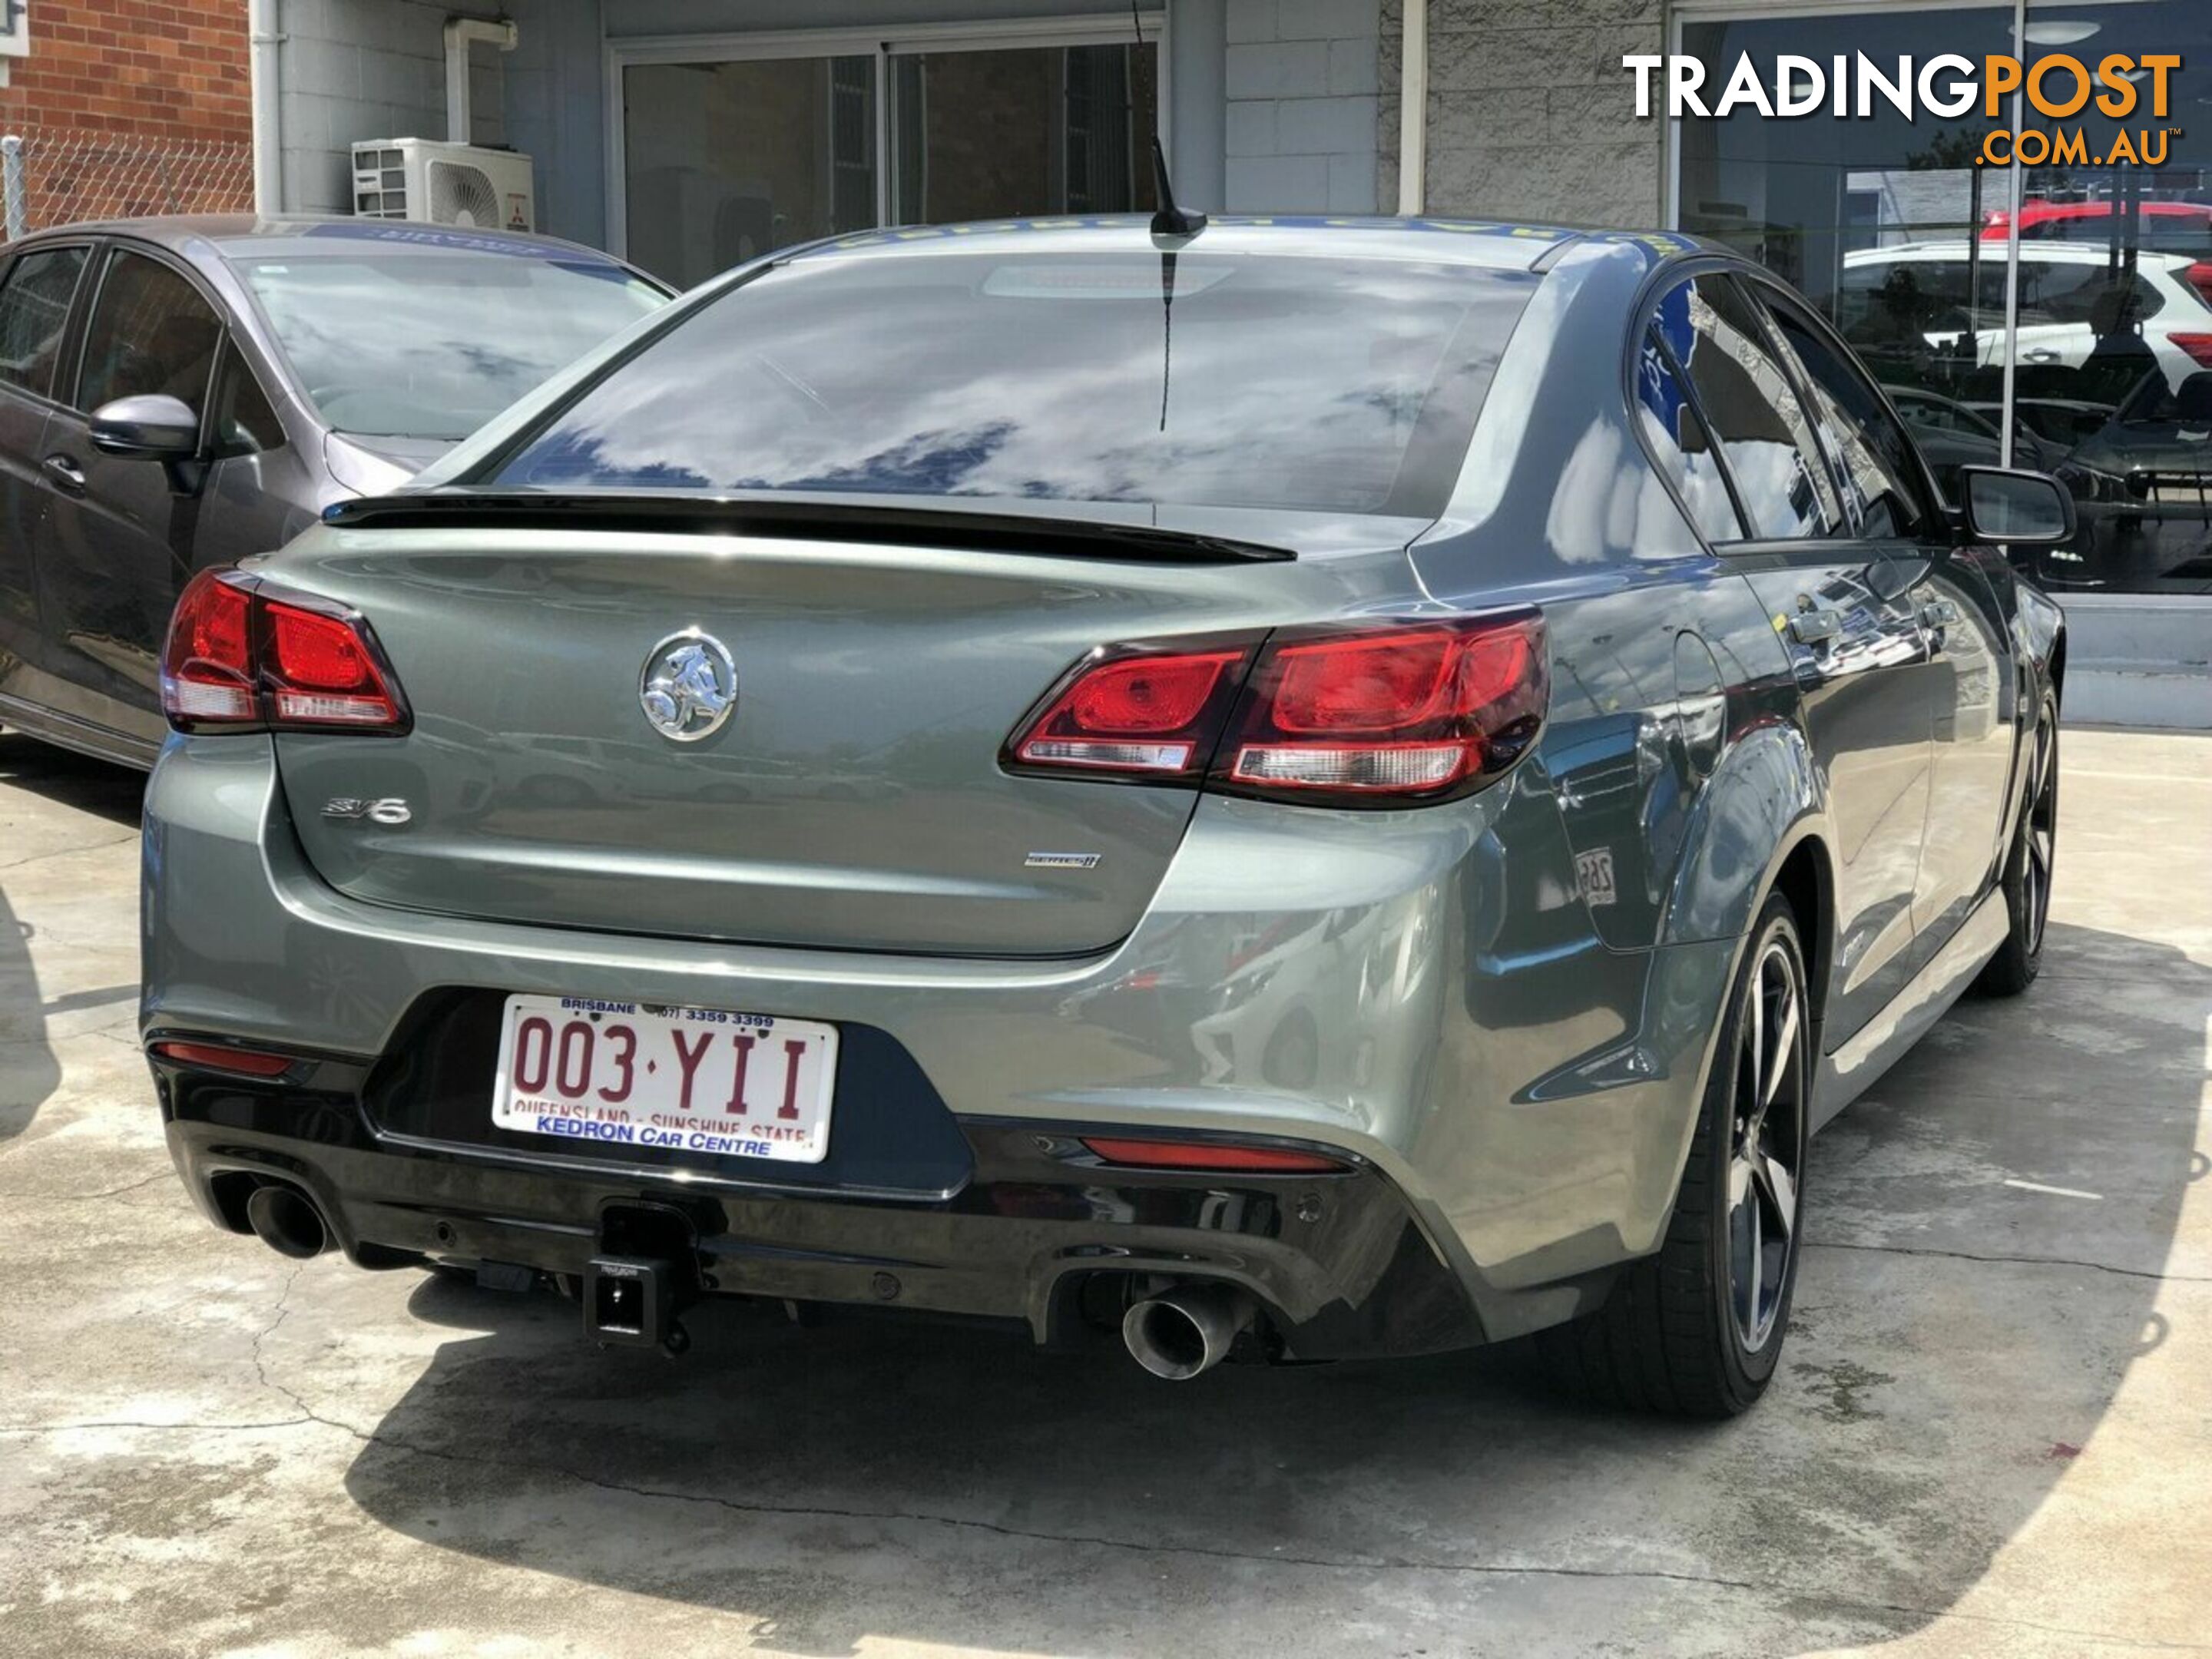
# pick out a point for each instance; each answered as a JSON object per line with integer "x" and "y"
{"x": 1167, "y": 219}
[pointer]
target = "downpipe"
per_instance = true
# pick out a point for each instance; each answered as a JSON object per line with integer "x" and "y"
{"x": 1187, "y": 1329}
{"x": 287, "y": 1221}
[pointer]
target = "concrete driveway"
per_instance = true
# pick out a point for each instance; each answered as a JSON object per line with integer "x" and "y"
{"x": 1993, "y": 1432}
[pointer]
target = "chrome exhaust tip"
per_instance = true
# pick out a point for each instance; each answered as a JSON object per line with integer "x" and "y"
{"x": 287, "y": 1221}
{"x": 1186, "y": 1330}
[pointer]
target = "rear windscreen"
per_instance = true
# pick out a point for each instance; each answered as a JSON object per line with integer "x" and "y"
{"x": 1334, "y": 386}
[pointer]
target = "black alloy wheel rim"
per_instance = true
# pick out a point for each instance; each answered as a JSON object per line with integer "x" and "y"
{"x": 2041, "y": 836}
{"x": 1767, "y": 1145}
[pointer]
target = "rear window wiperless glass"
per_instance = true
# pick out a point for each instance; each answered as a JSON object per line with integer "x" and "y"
{"x": 1334, "y": 386}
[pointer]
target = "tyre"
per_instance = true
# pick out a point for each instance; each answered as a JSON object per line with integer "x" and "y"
{"x": 1695, "y": 1330}
{"x": 2029, "y": 864}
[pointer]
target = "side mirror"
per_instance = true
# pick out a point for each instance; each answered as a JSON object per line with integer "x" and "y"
{"x": 152, "y": 427}
{"x": 2020, "y": 509}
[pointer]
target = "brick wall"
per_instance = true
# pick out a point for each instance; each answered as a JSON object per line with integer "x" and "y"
{"x": 1302, "y": 106}
{"x": 165, "y": 69}
{"x": 1530, "y": 115}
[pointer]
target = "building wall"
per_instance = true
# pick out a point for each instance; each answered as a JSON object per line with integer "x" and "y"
{"x": 352, "y": 70}
{"x": 166, "y": 69}
{"x": 1530, "y": 115}
{"x": 1303, "y": 103}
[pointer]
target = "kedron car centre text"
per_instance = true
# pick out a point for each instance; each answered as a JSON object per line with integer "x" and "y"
{"x": 2058, "y": 87}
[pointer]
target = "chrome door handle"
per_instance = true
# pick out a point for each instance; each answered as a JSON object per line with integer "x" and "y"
{"x": 1815, "y": 627}
{"x": 65, "y": 472}
{"x": 2040, "y": 354}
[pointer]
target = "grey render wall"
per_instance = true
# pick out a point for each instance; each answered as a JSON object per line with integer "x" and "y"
{"x": 369, "y": 69}
{"x": 1530, "y": 115}
{"x": 1303, "y": 100}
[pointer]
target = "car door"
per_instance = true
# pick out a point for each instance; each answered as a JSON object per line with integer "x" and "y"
{"x": 1841, "y": 603}
{"x": 115, "y": 547}
{"x": 37, "y": 294}
{"x": 1969, "y": 671}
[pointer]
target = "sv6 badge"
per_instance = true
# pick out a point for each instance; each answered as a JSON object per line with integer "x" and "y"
{"x": 390, "y": 810}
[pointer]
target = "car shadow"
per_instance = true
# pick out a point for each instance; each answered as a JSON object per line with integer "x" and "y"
{"x": 833, "y": 1486}
{"x": 29, "y": 1072}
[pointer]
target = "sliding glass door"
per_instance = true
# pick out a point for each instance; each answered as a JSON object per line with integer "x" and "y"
{"x": 743, "y": 151}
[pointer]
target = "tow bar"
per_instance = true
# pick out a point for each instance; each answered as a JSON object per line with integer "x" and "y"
{"x": 645, "y": 1269}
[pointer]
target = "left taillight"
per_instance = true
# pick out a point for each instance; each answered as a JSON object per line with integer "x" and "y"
{"x": 243, "y": 655}
{"x": 1393, "y": 713}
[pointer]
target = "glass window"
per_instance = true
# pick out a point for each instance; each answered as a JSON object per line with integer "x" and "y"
{"x": 1044, "y": 130}
{"x": 34, "y": 310}
{"x": 150, "y": 332}
{"x": 1746, "y": 395}
{"x": 1889, "y": 226}
{"x": 417, "y": 341}
{"x": 1678, "y": 438}
{"x": 722, "y": 162}
{"x": 1874, "y": 459}
{"x": 1332, "y": 385}
{"x": 244, "y": 423}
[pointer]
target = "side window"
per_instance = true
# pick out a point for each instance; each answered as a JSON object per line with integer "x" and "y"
{"x": 1765, "y": 436}
{"x": 34, "y": 310}
{"x": 150, "y": 331}
{"x": 1678, "y": 437}
{"x": 244, "y": 421}
{"x": 1872, "y": 456}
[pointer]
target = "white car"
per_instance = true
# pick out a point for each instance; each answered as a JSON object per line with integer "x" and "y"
{"x": 2074, "y": 315}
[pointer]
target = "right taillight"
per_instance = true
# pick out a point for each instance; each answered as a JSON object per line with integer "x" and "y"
{"x": 242, "y": 656}
{"x": 1392, "y": 713}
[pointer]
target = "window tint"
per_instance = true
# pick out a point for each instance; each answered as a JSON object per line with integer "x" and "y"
{"x": 244, "y": 420}
{"x": 150, "y": 331}
{"x": 34, "y": 309}
{"x": 1680, "y": 441}
{"x": 2075, "y": 292}
{"x": 1765, "y": 435}
{"x": 1872, "y": 456}
{"x": 1324, "y": 384}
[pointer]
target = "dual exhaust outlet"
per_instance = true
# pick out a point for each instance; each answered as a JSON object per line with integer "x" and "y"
{"x": 1180, "y": 1332}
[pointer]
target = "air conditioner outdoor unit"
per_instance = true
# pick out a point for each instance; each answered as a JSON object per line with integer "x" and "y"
{"x": 442, "y": 184}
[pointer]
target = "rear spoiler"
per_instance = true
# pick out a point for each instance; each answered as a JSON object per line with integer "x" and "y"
{"x": 801, "y": 519}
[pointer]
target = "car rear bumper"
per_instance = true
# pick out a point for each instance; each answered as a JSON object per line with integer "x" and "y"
{"x": 1420, "y": 993}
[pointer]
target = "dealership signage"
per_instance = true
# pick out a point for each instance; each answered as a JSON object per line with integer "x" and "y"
{"x": 2059, "y": 87}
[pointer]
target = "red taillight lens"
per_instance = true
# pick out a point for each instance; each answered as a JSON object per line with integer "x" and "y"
{"x": 207, "y": 670}
{"x": 2199, "y": 346}
{"x": 321, "y": 671}
{"x": 240, "y": 656}
{"x": 1415, "y": 711}
{"x": 221, "y": 1057}
{"x": 1403, "y": 711}
{"x": 1210, "y": 1155}
{"x": 1147, "y": 713}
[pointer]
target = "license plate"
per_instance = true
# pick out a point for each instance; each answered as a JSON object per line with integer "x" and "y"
{"x": 686, "y": 1080}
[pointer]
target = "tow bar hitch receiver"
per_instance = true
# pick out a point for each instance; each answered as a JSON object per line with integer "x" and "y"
{"x": 630, "y": 1302}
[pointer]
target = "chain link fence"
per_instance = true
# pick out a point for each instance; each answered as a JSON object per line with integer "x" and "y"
{"x": 60, "y": 178}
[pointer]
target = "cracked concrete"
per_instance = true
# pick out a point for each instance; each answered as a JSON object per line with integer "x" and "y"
{"x": 1990, "y": 1435}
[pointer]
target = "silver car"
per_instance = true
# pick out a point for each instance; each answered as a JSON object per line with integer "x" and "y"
{"x": 1290, "y": 790}
{"x": 179, "y": 393}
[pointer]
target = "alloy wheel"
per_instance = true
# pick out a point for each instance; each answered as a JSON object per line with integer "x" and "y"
{"x": 2042, "y": 836}
{"x": 1768, "y": 1144}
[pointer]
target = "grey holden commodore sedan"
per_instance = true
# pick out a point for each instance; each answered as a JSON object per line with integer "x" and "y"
{"x": 1289, "y": 791}
{"x": 180, "y": 394}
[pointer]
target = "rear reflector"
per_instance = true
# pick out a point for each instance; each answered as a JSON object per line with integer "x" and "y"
{"x": 1210, "y": 1155}
{"x": 1398, "y": 712}
{"x": 242, "y": 655}
{"x": 220, "y": 1057}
